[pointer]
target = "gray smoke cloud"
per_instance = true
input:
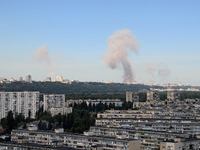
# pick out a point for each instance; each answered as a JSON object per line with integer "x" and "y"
{"x": 118, "y": 46}
{"x": 42, "y": 55}
{"x": 150, "y": 68}
{"x": 161, "y": 69}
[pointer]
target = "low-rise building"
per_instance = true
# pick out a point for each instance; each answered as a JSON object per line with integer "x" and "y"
{"x": 75, "y": 140}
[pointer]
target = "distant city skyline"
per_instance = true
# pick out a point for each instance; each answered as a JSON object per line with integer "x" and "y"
{"x": 71, "y": 39}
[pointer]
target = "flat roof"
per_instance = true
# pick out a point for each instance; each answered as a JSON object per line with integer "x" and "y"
{"x": 34, "y": 146}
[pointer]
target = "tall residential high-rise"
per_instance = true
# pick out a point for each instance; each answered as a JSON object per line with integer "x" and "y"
{"x": 25, "y": 102}
{"x": 59, "y": 78}
{"x": 173, "y": 95}
{"x": 53, "y": 100}
{"x": 132, "y": 96}
{"x": 28, "y": 78}
{"x": 153, "y": 96}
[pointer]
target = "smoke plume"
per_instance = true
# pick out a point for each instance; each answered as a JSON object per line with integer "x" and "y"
{"x": 42, "y": 56}
{"x": 150, "y": 68}
{"x": 118, "y": 46}
{"x": 161, "y": 70}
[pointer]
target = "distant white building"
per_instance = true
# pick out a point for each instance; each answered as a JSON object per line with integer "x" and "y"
{"x": 59, "y": 78}
{"x": 53, "y": 101}
{"x": 28, "y": 78}
{"x": 47, "y": 79}
{"x": 20, "y": 79}
{"x": 19, "y": 102}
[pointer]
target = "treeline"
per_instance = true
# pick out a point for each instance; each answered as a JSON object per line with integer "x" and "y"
{"x": 81, "y": 118}
{"x": 85, "y": 96}
{"x": 74, "y": 87}
{"x": 189, "y": 94}
{"x": 77, "y": 122}
{"x": 100, "y": 107}
{"x": 13, "y": 121}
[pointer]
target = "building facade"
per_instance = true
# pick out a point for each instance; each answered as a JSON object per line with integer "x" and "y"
{"x": 74, "y": 140}
{"x": 53, "y": 101}
{"x": 28, "y": 78}
{"x": 153, "y": 96}
{"x": 59, "y": 78}
{"x": 132, "y": 96}
{"x": 25, "y": 102}
{"x": 173, "y": 95}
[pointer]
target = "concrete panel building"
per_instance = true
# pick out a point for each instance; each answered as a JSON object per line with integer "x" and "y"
{"x": 74, "y": 140}
{"x": 53, "y": 101}
{"x": 153, "y": 96}
{"x": 173, "y": 95}
{"x": 19, "y": 102}
{"x": 132, "y": 96}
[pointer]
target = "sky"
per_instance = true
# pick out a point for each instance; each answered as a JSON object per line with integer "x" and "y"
{"x": 71, "y": 38}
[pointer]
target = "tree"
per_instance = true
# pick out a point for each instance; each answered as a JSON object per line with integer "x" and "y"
{"x": 10, "y": 121}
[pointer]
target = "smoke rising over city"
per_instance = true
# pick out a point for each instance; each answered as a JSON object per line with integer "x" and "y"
{"x": 118, "y": 47}
{"x": 161, "y": 70}
{"x": 42, "y": 56}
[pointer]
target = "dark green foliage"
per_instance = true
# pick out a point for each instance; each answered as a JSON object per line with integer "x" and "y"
{"x": 143, "y": 97}
{"x": 79, "y": 121}
{"x": 163, "y": 96}
{"x": 189, "y": 94}
{"x": 100, "y": 107}
{"x": 74, "y": 87}
{"x": 10, "y": 122}
{"x": 85, "y": 96}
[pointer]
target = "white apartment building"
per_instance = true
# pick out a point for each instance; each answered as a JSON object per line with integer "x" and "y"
{"x": 53, "y": 101}
{"x": 19, "y": 102}
{"x": 28, "y": 78}
{"x": 59, "y": 78}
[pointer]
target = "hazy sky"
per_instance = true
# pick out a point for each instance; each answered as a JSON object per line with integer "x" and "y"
{"x": 70, "y": 37}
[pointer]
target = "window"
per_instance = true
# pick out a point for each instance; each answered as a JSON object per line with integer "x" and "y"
{"x": 169, "y": 148}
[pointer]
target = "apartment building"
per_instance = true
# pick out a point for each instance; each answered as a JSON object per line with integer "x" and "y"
{"x": 28, "y": 78}
{"x": 74, "y": 140}
{"x": 19, "y": 102}
{"x": 153, "y": 96}
{"x": 116, "y": 102}
{"x": 150, "y": 139}
{"x": 129, "y": 121}
{"x": 173, "y": 95}
{"x": 132, "y": 96}
{"x": 53, "y": 101}
{"x": 62, "y": 110}
{"x": 187, "y": 144}
{"x": 126, "y": 114}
